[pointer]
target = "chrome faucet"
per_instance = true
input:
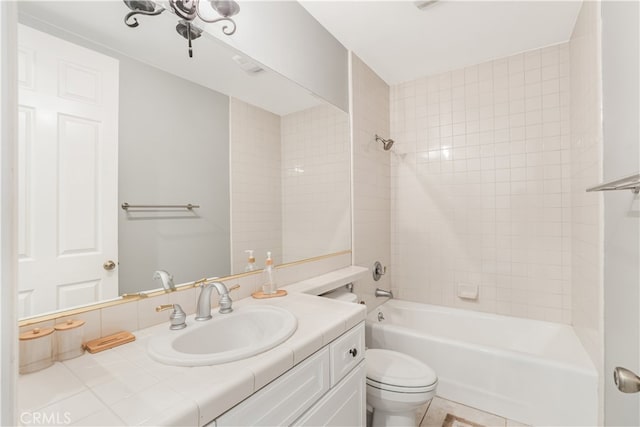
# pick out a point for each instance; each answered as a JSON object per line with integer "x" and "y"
{"x": 166, "y": 279}
{"x": 204, "y": 300}
{"x": 383, "y": 293}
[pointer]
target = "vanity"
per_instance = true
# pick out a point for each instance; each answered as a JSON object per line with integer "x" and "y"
{"x": 316, "y": 377}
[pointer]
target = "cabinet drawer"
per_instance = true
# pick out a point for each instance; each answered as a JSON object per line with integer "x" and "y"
{"x": 346, "y": 352}
{"x": 285, "y": 399}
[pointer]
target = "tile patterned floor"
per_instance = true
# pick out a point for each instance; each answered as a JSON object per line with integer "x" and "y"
{"x": 433, "y": 415}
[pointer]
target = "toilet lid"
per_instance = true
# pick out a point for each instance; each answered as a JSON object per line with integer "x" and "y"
{"x": 398, "y": 369}
{"x": 342, "y": 295}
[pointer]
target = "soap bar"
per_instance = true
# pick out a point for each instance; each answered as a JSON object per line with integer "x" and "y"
{"x": 105, "y": 343}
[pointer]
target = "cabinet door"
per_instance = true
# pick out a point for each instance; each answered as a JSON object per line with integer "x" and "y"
{"x": 344, "y": 405}
{"x": 282, "y": 401}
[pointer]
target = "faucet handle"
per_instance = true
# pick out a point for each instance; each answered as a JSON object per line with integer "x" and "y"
{"x": 200, "y": 282}
{"x": 203, "y": 281}
{"x": 178, "y": 316}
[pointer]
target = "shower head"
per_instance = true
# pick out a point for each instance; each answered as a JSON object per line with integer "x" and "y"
{"x": 386, "y": 143}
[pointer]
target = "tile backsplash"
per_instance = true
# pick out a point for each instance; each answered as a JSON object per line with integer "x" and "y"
{"x": 480, "y": 186}
{"x": 140, "y": 314}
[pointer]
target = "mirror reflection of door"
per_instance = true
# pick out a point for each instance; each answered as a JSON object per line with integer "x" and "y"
{"x": 67, "y": 159}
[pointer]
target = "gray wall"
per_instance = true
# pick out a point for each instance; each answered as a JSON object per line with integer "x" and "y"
{"x": 621, "y": 156}
{"x": 174, "y": 149}
{"x": 283, "y": 36}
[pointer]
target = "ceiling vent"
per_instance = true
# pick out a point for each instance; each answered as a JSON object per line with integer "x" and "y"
{"x": 247, "y": 65}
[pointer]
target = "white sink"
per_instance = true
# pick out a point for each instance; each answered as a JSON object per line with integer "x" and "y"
{"x": 245, "y": 332}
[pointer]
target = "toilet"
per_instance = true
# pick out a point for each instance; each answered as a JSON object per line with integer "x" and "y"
{"x": 397, "y": 384}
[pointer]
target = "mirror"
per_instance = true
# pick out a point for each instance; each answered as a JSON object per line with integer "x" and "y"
{"x": 134, "y": 158}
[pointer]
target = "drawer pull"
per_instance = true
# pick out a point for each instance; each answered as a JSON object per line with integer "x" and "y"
{"x": 353, "y": 352}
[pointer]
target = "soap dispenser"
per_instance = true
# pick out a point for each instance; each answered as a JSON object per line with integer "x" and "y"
{"x": 251, "y": 262}
{"x": 268, "y": 277}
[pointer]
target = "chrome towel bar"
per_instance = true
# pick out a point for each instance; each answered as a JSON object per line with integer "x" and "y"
{"x": 631, "y": 182}
{"x": 127, "y": 206}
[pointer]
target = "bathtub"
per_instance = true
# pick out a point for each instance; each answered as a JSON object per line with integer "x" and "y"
{"x": 526, "y": 370}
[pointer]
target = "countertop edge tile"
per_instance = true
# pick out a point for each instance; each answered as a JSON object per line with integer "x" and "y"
{"x": 281, "y": 361}
{"x": 182, "y": 413}
{"x": 217, "y": 402}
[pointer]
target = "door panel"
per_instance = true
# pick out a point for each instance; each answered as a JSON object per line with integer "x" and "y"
{"x": 68, "y": 152}
{"x": 78, "y": 210}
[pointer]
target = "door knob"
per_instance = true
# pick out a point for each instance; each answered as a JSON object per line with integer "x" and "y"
{"x": 627, "y": 381}
{"x": 109, "y": 265}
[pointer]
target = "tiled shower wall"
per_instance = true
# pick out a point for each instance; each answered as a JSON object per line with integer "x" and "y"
{"x": 586, "y": 171}
{"x": 256, "y": 195}
{"x": 316, "y": 197}
{"x": 480, "y": 186}
{"x": 290, "y": 190}
{"x": 371, "y": 180}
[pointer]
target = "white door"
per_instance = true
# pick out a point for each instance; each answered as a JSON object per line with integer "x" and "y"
{"x": 621, "y": 143}
{"x": 67, "y": 160}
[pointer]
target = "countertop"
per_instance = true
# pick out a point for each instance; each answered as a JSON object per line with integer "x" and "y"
{"x": 124, "y": 386}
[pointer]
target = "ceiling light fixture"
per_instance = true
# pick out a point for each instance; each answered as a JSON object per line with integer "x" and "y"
{"x": 187, "y": 11}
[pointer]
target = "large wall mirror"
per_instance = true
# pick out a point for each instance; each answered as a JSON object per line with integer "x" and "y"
{"x": 135, "y": 158}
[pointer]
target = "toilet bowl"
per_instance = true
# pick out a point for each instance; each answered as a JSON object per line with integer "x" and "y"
{"x": 397, "y": 385}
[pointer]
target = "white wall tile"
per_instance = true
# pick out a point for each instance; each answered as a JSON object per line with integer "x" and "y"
{"x": 256, "y": 192}
{"x": 187, "y": 299}
{"x": 147, "y": 314}
{"x": 122, "y": 317}
{"x": 585, "y": 153}
{"x": 316, "y": 197}
{"x": 471, "y": 210}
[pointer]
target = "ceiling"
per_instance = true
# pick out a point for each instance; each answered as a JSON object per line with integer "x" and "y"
{"x": 155, "y": 42}
{"x": 401, "y": 43}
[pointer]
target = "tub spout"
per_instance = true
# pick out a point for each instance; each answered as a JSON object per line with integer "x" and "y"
{"x": 383, "y": 293}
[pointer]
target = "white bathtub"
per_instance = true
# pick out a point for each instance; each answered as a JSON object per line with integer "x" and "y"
{"x": 526, "y": 370}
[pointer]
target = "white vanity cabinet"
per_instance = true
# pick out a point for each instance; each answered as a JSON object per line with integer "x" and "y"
{"x": 344, "y": 405}
{"x": 326, "y": 389}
